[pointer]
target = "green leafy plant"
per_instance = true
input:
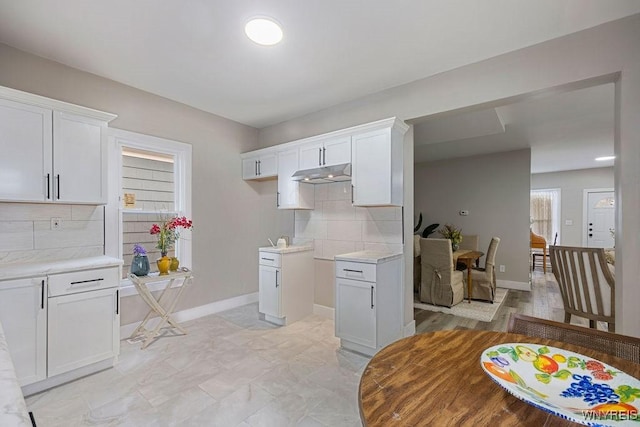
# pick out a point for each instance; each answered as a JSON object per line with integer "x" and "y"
{"x": 452, "y": 233}
{"x": 428, "y": 230}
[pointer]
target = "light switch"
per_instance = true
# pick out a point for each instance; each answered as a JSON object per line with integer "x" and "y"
{"x": 568, "y": 222}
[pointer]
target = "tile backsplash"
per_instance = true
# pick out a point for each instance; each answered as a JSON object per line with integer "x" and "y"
{"x": 337, "y": 227}
{"x": 26, "y": 234}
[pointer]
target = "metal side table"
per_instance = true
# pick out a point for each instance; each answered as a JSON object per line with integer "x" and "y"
{"x": 163, "y": 306}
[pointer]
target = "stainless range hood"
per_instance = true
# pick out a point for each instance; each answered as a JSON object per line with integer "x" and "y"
{"x": 324, "y": 174}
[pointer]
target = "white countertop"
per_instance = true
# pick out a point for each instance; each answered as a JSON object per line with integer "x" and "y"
{"x": 17, "y": 271}
{"x": 286, "y": 250}
{"x": 369, "y": 257}
{"x": 13, "y": 410}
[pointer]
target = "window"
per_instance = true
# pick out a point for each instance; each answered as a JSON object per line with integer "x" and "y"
{"x": 153, "y": 181}
{"x": 545, "y": 213}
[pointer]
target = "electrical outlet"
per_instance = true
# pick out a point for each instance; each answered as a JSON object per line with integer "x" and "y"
{"x": 56, "y": 223}
{"x": 503, "y": 268}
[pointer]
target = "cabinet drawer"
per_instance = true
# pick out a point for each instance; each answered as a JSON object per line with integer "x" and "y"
{"x": 271, "y": 259}
{"x": 82, "y": 281}
{"x": 356, "y": 270}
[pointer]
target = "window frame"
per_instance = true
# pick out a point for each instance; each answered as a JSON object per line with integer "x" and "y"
{"x": 114, "y": 211}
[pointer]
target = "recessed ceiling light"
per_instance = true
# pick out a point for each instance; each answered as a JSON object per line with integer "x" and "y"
{"x": 604, "y": 158}
{"x": 264, "y": 31}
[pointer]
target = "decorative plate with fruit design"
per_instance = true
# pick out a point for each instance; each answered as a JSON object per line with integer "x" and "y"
{"x": 564, "y": 383}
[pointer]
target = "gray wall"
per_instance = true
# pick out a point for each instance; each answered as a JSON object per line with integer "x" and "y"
{"x": 231, "y": 217}
{"x": 495, "y": 190}
{"x": 572, "y": 185}
{"x": 598, "y": 55}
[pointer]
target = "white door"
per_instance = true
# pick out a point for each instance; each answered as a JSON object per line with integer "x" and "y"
{"x": 25, "y": 144}
{"x": 269, "y": 290}
{"x": 250, "y": 168}
{"x": 356, "y": 311}
{"x": 268, "y": 165}
{"x": 83, "y": 329}
{"x": 601, "y": 212}
{"x": 337, "y": 151}
{"x": 79, "y": 159}
{"x": 23, "y": 314}
{"x": 311, "y": 156}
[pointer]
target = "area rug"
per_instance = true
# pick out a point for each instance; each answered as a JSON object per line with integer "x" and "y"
{"x": 477, "y": 310}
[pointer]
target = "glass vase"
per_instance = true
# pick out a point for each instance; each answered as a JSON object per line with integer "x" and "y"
{"x": 140, "y": 265}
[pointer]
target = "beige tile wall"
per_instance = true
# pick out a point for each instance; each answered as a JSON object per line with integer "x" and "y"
{"x": 26, "y": 234}
{"x": 337, "y": 227}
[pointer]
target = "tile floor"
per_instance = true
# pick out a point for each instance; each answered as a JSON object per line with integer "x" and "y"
{"x": 232, "y": 369}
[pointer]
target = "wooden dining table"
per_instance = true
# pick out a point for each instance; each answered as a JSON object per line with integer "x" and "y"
{"x": 468, "y": 258}
{"x": 435, "y": 379}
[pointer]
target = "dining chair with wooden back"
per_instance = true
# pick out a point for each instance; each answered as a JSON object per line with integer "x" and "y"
{"x": 440, "y": 283}
{"x": 617, "y": 345}
{"x": 586, "y": 284}
{"x": 484, "y": 279}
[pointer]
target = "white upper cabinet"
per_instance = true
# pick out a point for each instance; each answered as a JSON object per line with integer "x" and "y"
{"x": 260, "y": 167}
{"x": 79, "y": 159}
{"x": 25, "y": 144}
{"x": 292, "y": 194}
{"x": 377, "y": 169}
{"x": 331, "y": 152}
{"x": 52, "y": 151}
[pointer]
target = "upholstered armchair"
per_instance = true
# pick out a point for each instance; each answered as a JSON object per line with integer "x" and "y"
{"x": 440, "y": 283}
{"x": 483, "y": 280}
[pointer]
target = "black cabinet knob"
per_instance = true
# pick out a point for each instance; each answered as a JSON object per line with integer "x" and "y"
{"x": 590, "y": 235}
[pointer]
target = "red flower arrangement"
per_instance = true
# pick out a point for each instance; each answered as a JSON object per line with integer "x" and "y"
{"x": 168, "y": 232}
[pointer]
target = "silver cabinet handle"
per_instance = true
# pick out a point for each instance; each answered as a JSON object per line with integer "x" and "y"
{"x": 58, "y": 178}
{"x": 319, "y": 156}
{"x": 268, "y": 259}
{"x": 48, "y": 186}
{"x": 351, "y": 193}
{"x": 255, "y": 166}
{"x": 259, "y": 167}
{"x": 278, "y": 199}
{"x": 352, "y": 271}
{"x": 324, "y": 156}
{"x": 42, "y": 295}
{"x": 371, "y": 296}
{"x": 277, "y": 278}
{"x": 117, "y": 301}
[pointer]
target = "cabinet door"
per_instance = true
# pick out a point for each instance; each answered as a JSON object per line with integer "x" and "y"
{"x": 268, "y": 165}
{"x": 79, "y": 159}
{"x": 250, "y": 168}
{"x": 337, "y": 151}
{"x": 25, "y": 144}
{"x": 83, "y": 329}
{"x": 23, "y": 313}
{"x": 311, "y": 156}
{"x": 356, "y": 311}
{"x": 371, "y": 168}
{"x": 292, "y": 194}
{"x": 269, "y": 291}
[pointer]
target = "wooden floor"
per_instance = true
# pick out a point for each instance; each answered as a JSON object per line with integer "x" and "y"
{"x": 543, "y": 301}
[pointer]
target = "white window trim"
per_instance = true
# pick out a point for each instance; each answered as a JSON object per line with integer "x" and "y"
{"x": 118, "y": 138}
{"x": 557, "y": 211}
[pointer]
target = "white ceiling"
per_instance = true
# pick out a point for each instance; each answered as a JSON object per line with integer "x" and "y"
{"x": 333, "y": 51}
{"x": 565, "y": 131}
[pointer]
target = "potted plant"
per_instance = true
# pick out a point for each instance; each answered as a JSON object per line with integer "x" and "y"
{"x": 168, "y": 233}
{"x": 140, "y": 262}
{"x": 452, "y": 233}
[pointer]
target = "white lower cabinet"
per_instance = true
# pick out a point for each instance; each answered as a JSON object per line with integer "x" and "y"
{"x": 83, "y": 329}
{"x": 61, "y": 326}
{"x": 369, "y": 298}
{"x": 285, "y": 284}
{"x": 23, "y": 313}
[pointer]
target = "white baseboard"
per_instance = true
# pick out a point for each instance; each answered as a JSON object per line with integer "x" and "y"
{"x": 196, "y": 312}
{"x": 324, "y": 311}
{"x": 510, "y": 284}
{"x": 410, "y": 329}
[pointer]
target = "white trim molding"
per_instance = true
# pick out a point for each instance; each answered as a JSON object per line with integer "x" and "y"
{"x": 510, "y": 284}
{"x": 409, "y": 329}
{"x": 324, "y": 311}
{"x": 196, "y": 312}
